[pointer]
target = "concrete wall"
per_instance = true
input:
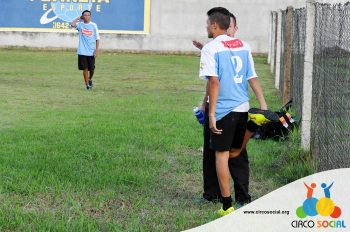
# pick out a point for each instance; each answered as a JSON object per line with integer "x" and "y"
{"x": 173, "y": 25}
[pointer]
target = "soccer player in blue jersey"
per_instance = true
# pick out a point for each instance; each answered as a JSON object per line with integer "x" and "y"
{"x": 238, "y": 166}
{"x": 89, "y": 42}
{"x": 228, "y": 66}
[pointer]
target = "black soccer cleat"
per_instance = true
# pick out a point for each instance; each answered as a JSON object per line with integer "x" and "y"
{"x": 90, "y": 83}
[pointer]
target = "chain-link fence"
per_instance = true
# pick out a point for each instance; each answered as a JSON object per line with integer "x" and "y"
{"x": 298, "y": 53}
{"x": 330, "y": 135}
{"x": 330, "y": 108}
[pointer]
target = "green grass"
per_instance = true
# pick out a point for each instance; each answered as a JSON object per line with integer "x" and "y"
{"x": 123, "y": 157}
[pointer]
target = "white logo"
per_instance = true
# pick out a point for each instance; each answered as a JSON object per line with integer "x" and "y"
{"x": 238, "y": 65}
{"x": 44, "y": 19}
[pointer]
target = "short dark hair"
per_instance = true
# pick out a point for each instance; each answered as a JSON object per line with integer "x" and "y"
{"x": 221, "y": 10}
{"x": 221, "y": 19}
{"x": 234, "y": 19}
{"x": 86, "y": 11}
{"x": 224, "y": 11}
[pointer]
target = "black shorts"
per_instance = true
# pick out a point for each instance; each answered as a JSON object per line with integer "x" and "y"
{"x": 86, "y": 62}
{"x": 233, "y": 128}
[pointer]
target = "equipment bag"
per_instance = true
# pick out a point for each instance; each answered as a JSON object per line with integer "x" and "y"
{"x": 278, "y": 130}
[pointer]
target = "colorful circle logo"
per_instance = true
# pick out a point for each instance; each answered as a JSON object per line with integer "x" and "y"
{"x": 313, "y": 206}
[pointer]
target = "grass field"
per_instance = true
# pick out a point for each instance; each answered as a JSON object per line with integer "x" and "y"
{"x": 123, "y": 157}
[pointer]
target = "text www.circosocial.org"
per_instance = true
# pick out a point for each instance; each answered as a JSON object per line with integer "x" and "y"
{"x": 285, "y": 212}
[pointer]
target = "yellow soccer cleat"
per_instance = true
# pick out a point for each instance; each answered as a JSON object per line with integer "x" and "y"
{"x": 221, "y": 212}
{"x": 260, "y": 117}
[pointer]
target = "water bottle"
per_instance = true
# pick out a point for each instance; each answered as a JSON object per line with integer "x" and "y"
{"x": 199, "y": 115}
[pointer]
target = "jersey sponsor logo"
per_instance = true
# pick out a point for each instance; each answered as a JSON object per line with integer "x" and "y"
{"x": 235, "y": 43}
{"x": 87, "y": 32}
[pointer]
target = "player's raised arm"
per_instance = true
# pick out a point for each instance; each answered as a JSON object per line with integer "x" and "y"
{"x": 75, "y": 21}
{"x": 197, "y": 44}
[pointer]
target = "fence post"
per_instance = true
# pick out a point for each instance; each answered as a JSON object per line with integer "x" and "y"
{"x": 278, "y": 49}
{"x": 287, "y": 55}
{"x": 273, "y": 41}
{"x": 308, "y": 71}
{"x": 269, "y": 56}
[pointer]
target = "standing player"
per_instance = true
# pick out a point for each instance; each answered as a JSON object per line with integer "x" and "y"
{"x": 89, "y": 41}
{"x": 228, "y": 66}
{"x": 239, "y": 166}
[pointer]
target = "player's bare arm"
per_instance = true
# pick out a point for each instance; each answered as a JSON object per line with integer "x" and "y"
{"x": 97, "y": 48}
{"x": 213, "y": 96}
{"x": 255, "y": 85}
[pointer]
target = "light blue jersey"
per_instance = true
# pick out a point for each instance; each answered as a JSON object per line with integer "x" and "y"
{"x": 88, "y": 34}
{"x": 230, "y": 60}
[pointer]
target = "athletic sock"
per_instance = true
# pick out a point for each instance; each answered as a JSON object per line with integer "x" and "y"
{"x": 91, "y": 74}
{"x": 226, "y": 202}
